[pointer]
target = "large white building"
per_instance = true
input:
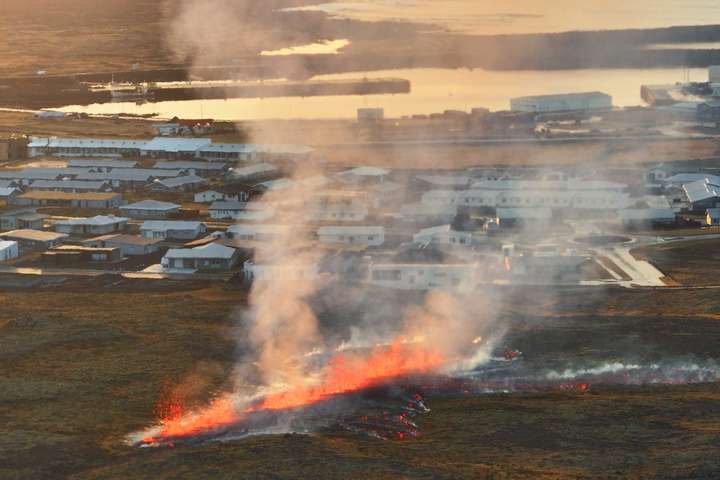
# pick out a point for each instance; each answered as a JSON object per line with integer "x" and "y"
{"x": 565, "y": 102}
{"x": 423, "y": 276}
{"x": 368, "y": 236}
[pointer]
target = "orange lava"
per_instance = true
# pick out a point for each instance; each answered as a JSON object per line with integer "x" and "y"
{"x": 344, "y": 374}
{"x": 348, "y": 374}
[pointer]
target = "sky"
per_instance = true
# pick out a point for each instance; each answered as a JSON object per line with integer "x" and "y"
{"x": 531, "y": 16}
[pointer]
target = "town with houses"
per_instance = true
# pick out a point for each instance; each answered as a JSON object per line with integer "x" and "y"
{"x": 183, "y": 207}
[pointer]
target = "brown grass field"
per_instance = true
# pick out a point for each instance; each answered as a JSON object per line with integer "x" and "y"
{"x": 83, "y": 365}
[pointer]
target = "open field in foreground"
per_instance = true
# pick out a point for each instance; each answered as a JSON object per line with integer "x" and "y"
{"x": 85, "y": 364}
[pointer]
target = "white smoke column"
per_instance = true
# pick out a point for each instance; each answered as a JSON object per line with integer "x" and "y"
{"x": 281, "y": 324}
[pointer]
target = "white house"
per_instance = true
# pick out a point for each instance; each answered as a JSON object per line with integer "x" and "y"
{"x": 129, "y": 245}
{"x": 99, "y": 225}
{"x": 299, "y": 270}
{"x": 337, "y": 206}
{"x": 368, "y": 236}
{"x": 150, "y": 209}
{"x": 227, "y": 193}
{"x": 172, "y": 147}
{"x": 184, "y": 183}
{"x": 172, "y": 230}
{"x": 252, "y": 211}
{"x": 224, "y": 152}
{"x": 363, "y": 175}
{"x": 8, "y": 250}
{"x": 210, "y": 257}
{"x": 444, "y": 235}
{"x": 423, "y": 276}
{"x": 253, "y": 173}
{"x": 257, "y": 232}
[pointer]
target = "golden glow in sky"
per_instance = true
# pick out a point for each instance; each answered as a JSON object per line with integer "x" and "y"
{"x": 528, "y": 16}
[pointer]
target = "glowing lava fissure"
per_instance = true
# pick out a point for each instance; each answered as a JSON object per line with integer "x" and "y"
{"x": 345, "y": 373}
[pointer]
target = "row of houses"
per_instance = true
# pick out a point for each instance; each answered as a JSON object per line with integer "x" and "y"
{"x": 165, "y": 147}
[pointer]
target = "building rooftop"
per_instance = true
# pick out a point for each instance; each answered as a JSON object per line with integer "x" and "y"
{"x": 229, "y": 205}
{"x": 164, "y": 225}
{"x": 253, "y": 170}
{"x": 74, "y": 184}
{"x": 175, "y": 145}
{"x": 51, "y": 195}
{"x": 190, "y": 165}
{"x": 211, "y": 250}
{"x": 34, "y": 235}
{"x": 180, "y": 181}
{"x": 151, "y": 205}
{"x": 99, "y": 220}
{"x": 125, "y": 239}
{"x": 103, "y": 163}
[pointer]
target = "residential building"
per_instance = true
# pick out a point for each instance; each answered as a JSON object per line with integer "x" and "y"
{"x": 33, "y": 240}
{"x": 185, "y": 183}
{"x": 297, "y": 268}
{"x": 363, "y": 175}
{"x": 94, "y": 200}
{"x": 166, "y": 147}
{"x": 71, "y": 186}
{"x": 423, "y": 276}
{"x": 443, "y": 235}
{"x": 251, "y": 211}
{"x": 101, "y": 163}
{"x": 9, "y": 250}
{"x": 83, "y": 147}
{"x": 172, "y": 230}
{"x": 64, "y": 255}
{"x": 369, "y": 236}
{"x": 150, "y": 209}
{"x": 210, "y": 257}
{"x": 6, "y": 193}
{"x": 224, "y": 152}
{"x": 702, "y": 194}
{"x": 129, "y": 245}
{"x": 253, "y": 173}
{"x": 22, "y": 219}
{"x": 194, "y": 167}
{"x": 225, "y": 193}
{"x": 99, "y": 225}
{"x": 334, "y": 206}
{"x": 258, "y": 232}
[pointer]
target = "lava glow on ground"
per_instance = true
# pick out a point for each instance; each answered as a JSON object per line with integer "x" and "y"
{"x": 344, "y": 373}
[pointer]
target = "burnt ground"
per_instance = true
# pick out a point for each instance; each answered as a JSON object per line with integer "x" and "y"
{"x": 692, "y": 262}
{"x": 83, "y": 364}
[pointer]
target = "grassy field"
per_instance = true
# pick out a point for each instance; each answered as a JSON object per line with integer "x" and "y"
{"x": 84, "y": 364}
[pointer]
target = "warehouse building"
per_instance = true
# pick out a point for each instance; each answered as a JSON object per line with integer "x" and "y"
{"x": 567, "y": 102}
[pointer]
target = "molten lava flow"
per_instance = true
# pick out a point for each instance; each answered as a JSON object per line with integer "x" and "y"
{"x": 344, "y": 374}
{"x": 347, "y": 374}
